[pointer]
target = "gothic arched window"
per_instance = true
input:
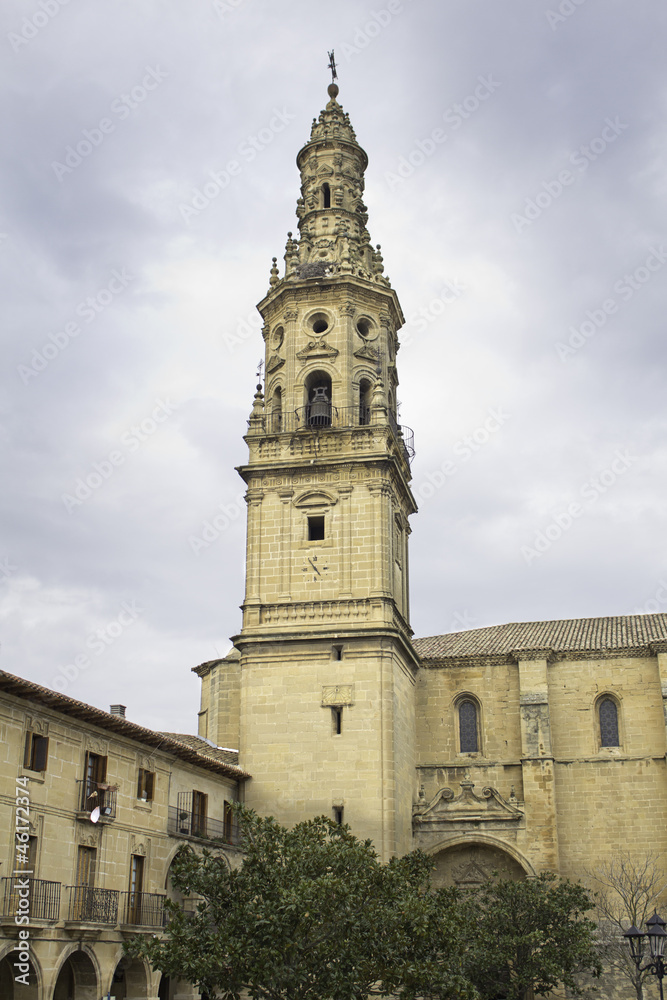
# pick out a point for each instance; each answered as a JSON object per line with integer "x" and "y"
{"x": 608, "y": 715}
{"x": 468, "y": 737}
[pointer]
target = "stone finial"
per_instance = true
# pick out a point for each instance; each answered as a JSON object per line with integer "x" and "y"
{"x": 378, "y": 404}
{"x": 291, "y": 255}
{"x": 274, "y": 279}
{"x": 378, "y": 261}
{"x": 256, "y": 420}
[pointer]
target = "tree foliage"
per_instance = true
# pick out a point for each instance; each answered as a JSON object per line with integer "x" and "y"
{"x": 629, "y": 888}
{"x": 530, "y": 937}
{"x": 311, "y": 912}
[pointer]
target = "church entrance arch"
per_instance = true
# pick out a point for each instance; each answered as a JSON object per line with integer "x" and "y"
{"x": 470, "y": 862}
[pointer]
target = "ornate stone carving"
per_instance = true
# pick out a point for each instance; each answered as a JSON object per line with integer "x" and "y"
{"x": 36, "y": 725}
{"x": 317, "y": 348}
{"x": 446, "y": 807}
{"x": 274, "y": 363}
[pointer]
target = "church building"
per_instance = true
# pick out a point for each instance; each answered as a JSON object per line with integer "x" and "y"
{"x": 518, "y": 748}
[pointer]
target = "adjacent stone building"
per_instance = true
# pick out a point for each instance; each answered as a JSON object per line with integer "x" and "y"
{"x": 94, "y": 808}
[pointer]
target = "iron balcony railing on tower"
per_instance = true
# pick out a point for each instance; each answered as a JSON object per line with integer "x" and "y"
{"x": 322, "y": 415}
{"x": 32, "y": 897}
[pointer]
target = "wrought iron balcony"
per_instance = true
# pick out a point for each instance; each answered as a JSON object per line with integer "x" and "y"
{"x": 142, "y": 908}
{"x": 34, "y": 897}
{"x": 86, "y": 903}
{"x": 97, "y": 795}
{"x": 182, "y": 822}
{"x": 324, "y": 416}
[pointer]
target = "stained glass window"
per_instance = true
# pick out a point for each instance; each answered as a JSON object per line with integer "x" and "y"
{"x": 608, "y": 723}
{"x": 468, "y": 727}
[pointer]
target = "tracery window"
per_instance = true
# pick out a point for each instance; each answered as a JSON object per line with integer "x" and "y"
{"x": 468, "y": 739}
{"x": 608, "y": 715}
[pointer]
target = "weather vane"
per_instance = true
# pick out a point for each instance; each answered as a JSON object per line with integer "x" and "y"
{"x": 259, "y": 374}
{"x": 332, "y": 66}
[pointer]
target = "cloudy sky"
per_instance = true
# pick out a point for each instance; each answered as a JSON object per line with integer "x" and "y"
{"x": 517, "y": 186}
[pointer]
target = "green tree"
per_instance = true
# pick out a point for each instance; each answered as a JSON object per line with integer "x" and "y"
{"x": 530, "y": 937}
{"x": 311, "y": 913}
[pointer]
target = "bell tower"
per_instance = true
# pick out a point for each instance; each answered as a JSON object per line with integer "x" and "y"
{"x": 321, "y": 699}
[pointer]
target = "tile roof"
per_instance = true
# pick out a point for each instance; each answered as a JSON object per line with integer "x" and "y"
{"x": 167, "y": 742}
{"x": 205, "y": 748}
{"x": 572, "y": 635}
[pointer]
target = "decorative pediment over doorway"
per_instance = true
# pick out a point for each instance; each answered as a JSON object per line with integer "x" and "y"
{"x": 446, "y": 807}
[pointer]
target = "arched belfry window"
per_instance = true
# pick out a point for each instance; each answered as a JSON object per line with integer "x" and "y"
{"x": 326, "y": 196}
{"x": 276, "y": 412}
{"x": 608, "y": 716}
{"x": 468, "y": 728}
{"x": 365, "y": 394}
{"x": 318, "y": 409}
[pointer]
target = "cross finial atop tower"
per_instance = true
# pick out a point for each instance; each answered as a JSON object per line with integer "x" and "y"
{"x": 332, "y": 89}
{"x": 332, "y": 66}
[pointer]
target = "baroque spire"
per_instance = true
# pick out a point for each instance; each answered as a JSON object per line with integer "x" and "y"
{"x": 332, "y": 217}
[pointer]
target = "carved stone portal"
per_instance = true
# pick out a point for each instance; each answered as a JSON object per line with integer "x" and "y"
{"x": 470, "y": 865}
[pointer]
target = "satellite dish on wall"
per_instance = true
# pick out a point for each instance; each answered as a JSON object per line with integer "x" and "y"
{"x": 95, "y": 814}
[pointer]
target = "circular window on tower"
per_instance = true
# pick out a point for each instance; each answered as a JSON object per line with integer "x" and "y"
{"x": 319, "y": 323}
{"x": 366, "y": 328}
{"x": 277, "y": 338}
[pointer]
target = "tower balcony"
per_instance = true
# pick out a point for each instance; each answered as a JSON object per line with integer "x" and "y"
{"x": 321, "y": 416}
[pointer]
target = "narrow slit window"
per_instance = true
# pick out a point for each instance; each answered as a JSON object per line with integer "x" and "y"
{"x": 338, "y": 652}
{"x": 337, "y": 720}
{"x": 468, "y": 727}
{"x": 326, "y": 196}
{"x": 316, "y": 528}
{"x": 338, "y": 815}
{"x": 608, "y": 713}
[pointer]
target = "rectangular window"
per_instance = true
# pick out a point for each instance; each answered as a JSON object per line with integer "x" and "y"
{"x": 95, "y": 792}
{"x": 228, "y": 822}
{"x": 338, "y": 815}
{"x": 337, "y": 720}
{"x": 136, "y": 889}
{"x": 199, "y": 802}
{"x": 31, "y": 863}
{"x": 316, "y": 528}
{"x": 85, "y": 866}
{"x": 145, "y": 784}
{"x": 36, "y": 752}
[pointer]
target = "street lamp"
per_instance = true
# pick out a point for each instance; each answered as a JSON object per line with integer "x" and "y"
{"x": 657, "y": 937}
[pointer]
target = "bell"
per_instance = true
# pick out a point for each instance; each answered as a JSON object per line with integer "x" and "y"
{"x": 320, "y": 407}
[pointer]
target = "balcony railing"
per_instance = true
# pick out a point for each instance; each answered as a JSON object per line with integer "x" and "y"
{"x": 34, "y": 897}
{"x": 182, "y": 822}
{"x": 143, "y": 908}
{"x": 97, "y": 795}
{"x": 322, "y": 416}
{"x": 87, "y": 903}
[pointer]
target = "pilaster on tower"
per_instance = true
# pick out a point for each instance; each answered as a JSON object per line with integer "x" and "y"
{"x": 326, "y": 610}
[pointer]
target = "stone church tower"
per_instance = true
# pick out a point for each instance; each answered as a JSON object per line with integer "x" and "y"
{"x": 320, "y": 700}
